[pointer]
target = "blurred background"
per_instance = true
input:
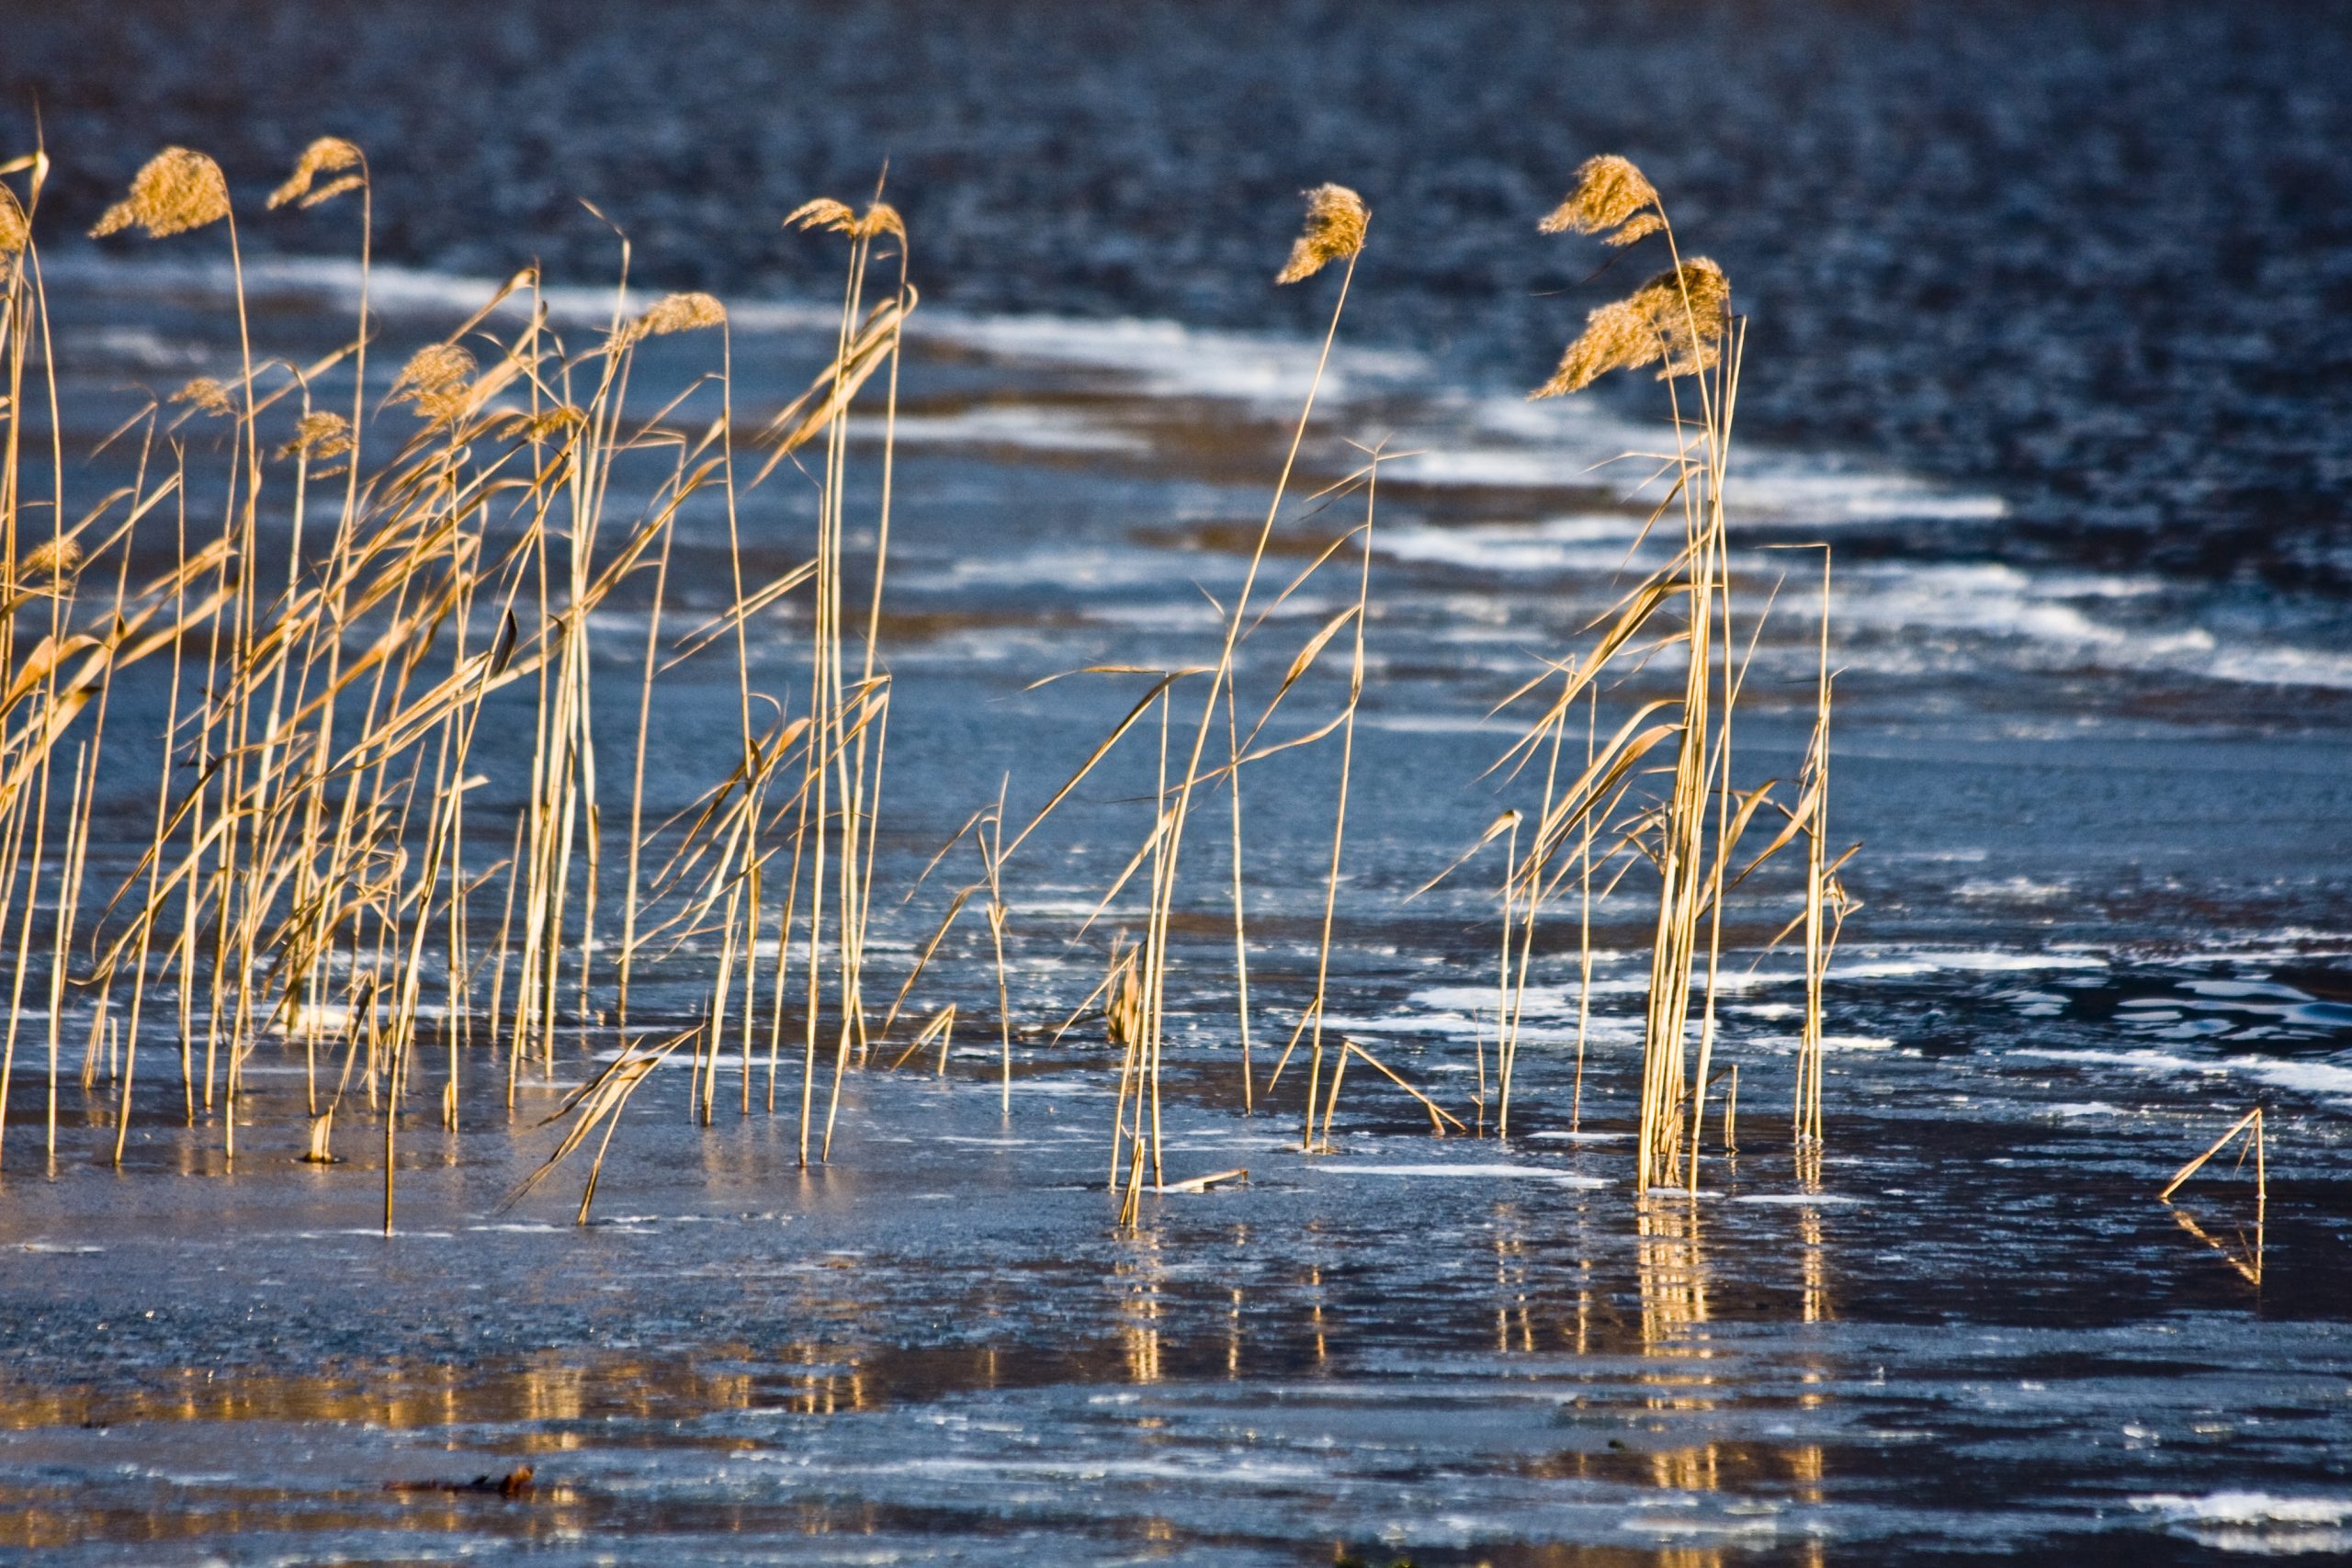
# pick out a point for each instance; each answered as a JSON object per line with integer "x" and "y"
{"x": 2094, "y": 255}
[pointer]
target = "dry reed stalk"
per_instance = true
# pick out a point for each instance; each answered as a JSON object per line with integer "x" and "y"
{"x": 992, "y": 857}
{"x": 1510, "y": 821}
{"x": 1240, "y": 929}
{"x": 1584, "y": 921}
{"x": 1336, "y": 228}
{"x": 68, "y": 875}
{"x": 38, "y": 796}
{"x": 1806, "y": 1115}
{"x": 1130, "y": 1019}
{"x": 1152, "y": 997}
{"x": 1676, "y": 321}
{"x": 1507, "y": 1029}
{"x": 637, "y": 785}
{"x": 863, "y": 812}
{"x": 835, "y": 769}
{"x": 1339, "y": 811}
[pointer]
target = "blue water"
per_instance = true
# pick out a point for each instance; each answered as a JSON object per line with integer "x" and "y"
{"x": 2091, "y": 730}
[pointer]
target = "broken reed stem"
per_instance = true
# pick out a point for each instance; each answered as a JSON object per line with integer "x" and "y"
{"x": 2251, "y": 1124}
{"x": 1438, "y": 1115}
{"x": 1502, "y": 972}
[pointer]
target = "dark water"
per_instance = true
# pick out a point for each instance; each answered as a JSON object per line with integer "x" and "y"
{"x": 2095, "y": 255}
{"x": 2094, "y": 741}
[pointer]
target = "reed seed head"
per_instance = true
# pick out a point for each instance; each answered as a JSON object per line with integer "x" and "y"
{"x": 1677, "y": 317}
{"x": 178, "y": 190}
{"x": 1611, "y": 194}
{"x": 327, "y": 155}
{"x": 549, "y": 423}
{"x": 677, "y": 313}
{"x": 1686, "y": 306}
{"x": 434, "y": 380}
{"x": 55, "y": 559}
{"x": 1616, "y": 337}
{"x": 16, "y": 234}
{"x": 823, "y": 212}
{"x": 836, "y": 217}
{"x": 319, "y": 436}
{"x": 1336, "y": 220}
{"x": 206, "y": 395}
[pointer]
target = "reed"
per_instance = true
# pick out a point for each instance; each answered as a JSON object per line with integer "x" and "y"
{"x": 2248, "y": 1126}
{"x": 323, "y": 873}
{"x": 310, "y": 830}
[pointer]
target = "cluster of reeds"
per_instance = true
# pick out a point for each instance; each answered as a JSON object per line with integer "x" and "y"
{"x": 341, "y": 617}
{"x": 1597, "y": 823}
{"x": 1684, "y": 818}
{"x": 309, "y": 872}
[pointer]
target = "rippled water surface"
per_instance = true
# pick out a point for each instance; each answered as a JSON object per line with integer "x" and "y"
{"x": 2102, "y": 791}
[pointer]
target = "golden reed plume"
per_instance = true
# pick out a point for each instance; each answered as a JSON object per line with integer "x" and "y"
{"x": 835, "y": 216}
{"x": 1336, "y": 220}
{"x": 327, "y": 155}
{"x": 434, "y": 380}
{"x": 319, "y": 436}
{"x": 1613, "y": 199}
{"x": 676, "y": 313}
{"x": 54, "y": 559}
{"x": 178, "y": 190}
{"x": 548, "y": 424}
{"x": 1677, "y": 317}
{"x": 16, "y": 234}
{"x": 206, "y": 394}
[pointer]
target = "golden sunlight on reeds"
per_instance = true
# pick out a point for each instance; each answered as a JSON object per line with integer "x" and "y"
{"x": 310, "y": 881}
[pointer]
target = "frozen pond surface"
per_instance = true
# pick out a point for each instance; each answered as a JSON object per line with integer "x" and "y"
{"x": 2093, "y": 933}
{"x": 2103, "y": 776}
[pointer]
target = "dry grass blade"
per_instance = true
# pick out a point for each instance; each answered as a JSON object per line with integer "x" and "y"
{"x": 835, "y": 387}
{"x": 596, "y": 1103}
{"x": 922, "y": 961}
{"x": 1101, "y": 750}
{"x": 1299, "y": 664}
{"x": 940, "y": 1026}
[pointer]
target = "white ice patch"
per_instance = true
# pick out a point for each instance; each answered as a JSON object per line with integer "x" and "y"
{"x": 2323, "y": 1079}
{"x": 1898, "y": 963}
{"x": 1799, "y": 1198}
{"x": 2259, "y": 1524}
{"x": 2047, "y": 609}
{"x": 1027, "y": 426}
{"x": 1493, "y": 1172}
